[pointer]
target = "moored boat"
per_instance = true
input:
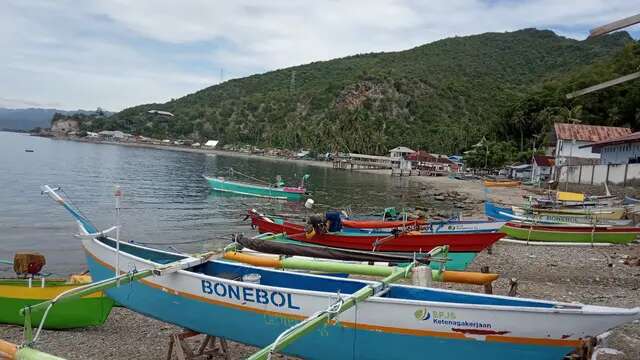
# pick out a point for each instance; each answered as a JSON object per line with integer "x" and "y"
{"x": 628, "y": 200}
{"x": 502, "y": 183}
{"x": 265, "y": 190}
{"x": 389, "y": 322}
{"x": 407, "y": 242}
{"x": 574, "y": 214}
{"x": 16, "y": 294}
{"x": 571, "y": 233}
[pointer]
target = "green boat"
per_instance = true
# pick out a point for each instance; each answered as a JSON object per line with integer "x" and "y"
{"x": 272, "y": 191}
{"x": 571, "y": 234}
{"x": 16, "y": 294}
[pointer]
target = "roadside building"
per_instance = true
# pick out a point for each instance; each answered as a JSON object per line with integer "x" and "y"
{"x": 541, "y": 167}
{"x": 621, "y": 150}
{"x": 435, "y": 164}
{"x": 573, "y": 142}
{"x": 521, "y": 172}
{"x": 400, "y": 152}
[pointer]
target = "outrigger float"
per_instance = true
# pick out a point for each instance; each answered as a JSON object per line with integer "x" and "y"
{"x": 332, "y": 317}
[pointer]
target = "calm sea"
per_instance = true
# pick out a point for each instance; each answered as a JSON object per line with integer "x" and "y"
{"x": 166, "y": 200}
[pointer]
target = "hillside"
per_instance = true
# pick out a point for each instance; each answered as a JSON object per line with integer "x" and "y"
{"x": 27, "y": 119}
{"x": 442, "y": 96}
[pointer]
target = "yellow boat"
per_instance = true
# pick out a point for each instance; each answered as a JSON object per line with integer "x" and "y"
{"x": 502, "y": 183}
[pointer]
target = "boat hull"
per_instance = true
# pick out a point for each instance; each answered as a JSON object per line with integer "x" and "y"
{"x": 375, "y": 329}
{"x": 281, "y": 193}
{"x": 570, "y": 234}
{"x": 489, "y": 183}
{"x": 407, "y": 243}
{"x": 87, "y": 311}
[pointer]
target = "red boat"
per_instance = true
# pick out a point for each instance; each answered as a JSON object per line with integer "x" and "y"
{"x": 400, "y": 242}
{"x": 381, "y": 224}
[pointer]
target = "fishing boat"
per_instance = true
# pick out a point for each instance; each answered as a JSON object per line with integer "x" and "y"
{"x": 498, "y": 213}
{"x": 502, "y": 183}
{"x": 333, "y": 317}
{"x": 468, "y": 244}
{"x": 571, "y": 233}
{"x": 18, "y": 293}
{"x": 574, "y": 214}
{"x": 262, "y": 189}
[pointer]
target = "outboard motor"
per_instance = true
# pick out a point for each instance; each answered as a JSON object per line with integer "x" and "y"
{"x": 334, "y": 218}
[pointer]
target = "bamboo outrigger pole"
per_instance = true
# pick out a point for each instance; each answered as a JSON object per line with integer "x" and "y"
{"x": 306, "y": 326}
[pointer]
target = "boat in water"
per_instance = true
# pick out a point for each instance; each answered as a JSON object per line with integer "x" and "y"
{"x": 226, "y": 299}
{"x": 259, "y": 188}
{"x": 571, "y": 233}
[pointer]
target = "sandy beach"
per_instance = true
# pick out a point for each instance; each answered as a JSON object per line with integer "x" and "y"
{"x": 600, "y": 276}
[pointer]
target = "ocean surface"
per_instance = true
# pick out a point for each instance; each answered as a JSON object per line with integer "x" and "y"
{"x": 166, "y": 200}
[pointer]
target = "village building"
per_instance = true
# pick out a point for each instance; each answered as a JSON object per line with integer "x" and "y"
{"x": 620, "y": 150}
{"x": 211, "y": 143}
{"x": 400, "y": 152}
{"x": 541, "y": 167}
{"x": 435, "y": 164}
{"x": 573, "y": 142}
{"x": 521, "y": 171}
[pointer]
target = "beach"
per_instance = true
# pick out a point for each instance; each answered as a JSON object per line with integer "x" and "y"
{"x": 601, "y": 276}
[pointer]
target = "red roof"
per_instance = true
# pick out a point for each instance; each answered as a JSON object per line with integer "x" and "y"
{"x": 542, "y": 160}
{"x": 631, "y": 138}
{"x": 589, "y": 133}
{"x": 424, "y": 156}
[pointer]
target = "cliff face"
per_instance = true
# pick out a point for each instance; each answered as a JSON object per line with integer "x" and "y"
{"x": 65, "y": 126}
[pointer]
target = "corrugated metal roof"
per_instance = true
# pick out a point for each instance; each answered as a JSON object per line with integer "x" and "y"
{"x": 401, "y": 149}
{"x": 543, "y": 160}
{"x": 590, "y": 133}
{"x": 631, "y": 138}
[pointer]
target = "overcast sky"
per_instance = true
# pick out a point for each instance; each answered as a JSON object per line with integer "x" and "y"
{"x": 115, "y": 54}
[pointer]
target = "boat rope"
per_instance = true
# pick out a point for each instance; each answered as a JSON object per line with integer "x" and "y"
{"x": 233, "y": 171}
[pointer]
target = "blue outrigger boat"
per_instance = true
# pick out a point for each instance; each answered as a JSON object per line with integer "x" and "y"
{"x": 287, "y": 312}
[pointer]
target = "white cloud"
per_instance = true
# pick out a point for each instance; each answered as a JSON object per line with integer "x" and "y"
{"x": 121, "y": 53}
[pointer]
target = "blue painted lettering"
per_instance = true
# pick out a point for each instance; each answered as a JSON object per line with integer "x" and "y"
{"x": 206, "y": 287}
{"x": 262, "y": 297}
{"x": 220, "y": 289}
{"x": 278, "y": 299}
{"x": 247, "y": 294}
{"x": 290, "y": 303}
{"x": 234, "y": 292}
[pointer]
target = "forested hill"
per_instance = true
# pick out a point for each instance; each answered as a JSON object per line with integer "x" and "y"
{"x": 441, "y": 97}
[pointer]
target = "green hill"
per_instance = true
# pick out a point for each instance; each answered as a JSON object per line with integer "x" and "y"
{"x": 441, "y": 97}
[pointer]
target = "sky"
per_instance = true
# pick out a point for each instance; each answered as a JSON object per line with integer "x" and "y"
{"x": 114, "y": 54}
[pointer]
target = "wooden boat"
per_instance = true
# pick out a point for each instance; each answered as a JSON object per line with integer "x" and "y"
{"x": 570, "y": 215}
{"x": 216, "y": 297}
{"x": 282, "y": 245}
{"x": 492, "y": 211}
{"x": 571, "y": 233}
{"x": 16, "y": 294}
{"x": 502, "y": 183}
{"x": 272, "y": 191}
{"x": 381, "y": 224}
{"x": 407, "y": 242}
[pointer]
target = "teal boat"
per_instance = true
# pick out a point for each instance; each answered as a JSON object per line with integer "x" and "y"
{"x": 272, "y": 191}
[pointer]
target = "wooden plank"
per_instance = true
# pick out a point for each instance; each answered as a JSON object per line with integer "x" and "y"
{"x": 616, "y": 25}
{"x": 604, "y": 85}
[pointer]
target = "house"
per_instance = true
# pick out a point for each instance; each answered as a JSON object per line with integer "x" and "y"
{"x": 435, "y": 163}
{"x": 211, "y": 143}
{"x": 400, "y": 152}
{"x": 160, "y": 112}
{"x": 620, "y": 150}
{"x": 114, "y": 135}
{"x": 522, "y": 171}
{"x": 573, "y": 142}
{"x": 541, "y": 167}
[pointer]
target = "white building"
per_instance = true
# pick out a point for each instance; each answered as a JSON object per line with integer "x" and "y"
{"x": 211, "y": 143}
{"x": 621, "y": 150}
{"x": 400, "y": 152}
{"x": 573, "y": 142}
{"x": 541, "y": 169}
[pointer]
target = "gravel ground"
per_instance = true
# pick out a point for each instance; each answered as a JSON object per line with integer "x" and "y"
{"x": 599, "y": 276}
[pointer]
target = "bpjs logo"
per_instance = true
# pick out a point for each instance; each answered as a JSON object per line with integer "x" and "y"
{"x": 425, "y": 314}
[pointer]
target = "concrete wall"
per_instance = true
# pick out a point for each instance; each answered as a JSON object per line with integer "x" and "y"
{"x": 618, "y": 174}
